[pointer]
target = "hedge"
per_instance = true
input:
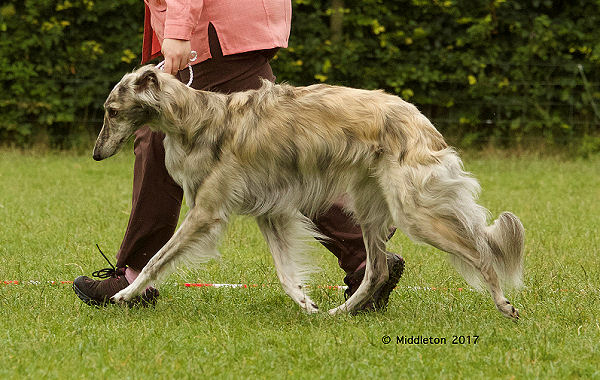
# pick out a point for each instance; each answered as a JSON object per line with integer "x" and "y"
{"x": 495, "y": 70}
{"x": 59, "y": 60}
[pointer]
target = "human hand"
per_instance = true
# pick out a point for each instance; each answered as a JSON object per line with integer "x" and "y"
{"x": 176, "y": 53}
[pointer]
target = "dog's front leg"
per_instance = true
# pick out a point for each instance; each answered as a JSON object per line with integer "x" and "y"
{"x": 285, "y": 235}
{"x": 195, "y": 241}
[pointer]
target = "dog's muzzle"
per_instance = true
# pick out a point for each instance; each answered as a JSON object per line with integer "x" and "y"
{"x": 97, "y": 155}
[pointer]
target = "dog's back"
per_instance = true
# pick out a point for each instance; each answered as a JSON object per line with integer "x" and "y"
{"x": 320, "y": 125}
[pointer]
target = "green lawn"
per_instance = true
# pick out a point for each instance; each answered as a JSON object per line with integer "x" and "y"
{"x": 55, "y": 207}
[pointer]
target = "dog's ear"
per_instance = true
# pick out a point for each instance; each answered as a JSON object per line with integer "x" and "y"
{"x": 147, "y": 80}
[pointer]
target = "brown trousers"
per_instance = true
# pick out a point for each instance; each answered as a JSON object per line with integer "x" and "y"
{"x": 157, "y": 198}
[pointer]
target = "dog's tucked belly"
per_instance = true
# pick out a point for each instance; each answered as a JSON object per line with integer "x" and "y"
{"x": 287, "y": 192}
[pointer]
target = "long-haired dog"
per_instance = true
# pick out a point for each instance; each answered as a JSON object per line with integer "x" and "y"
{"x": 283, "y": 154}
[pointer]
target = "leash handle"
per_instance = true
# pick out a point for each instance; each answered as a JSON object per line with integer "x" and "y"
{"x": 194, "y": 54}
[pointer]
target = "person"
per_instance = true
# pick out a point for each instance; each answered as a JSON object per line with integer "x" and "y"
{"x": 234, "y": 42}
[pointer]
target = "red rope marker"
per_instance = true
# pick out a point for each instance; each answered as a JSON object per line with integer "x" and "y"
{"x": 246, "y": 286}
{"x": 243, "y": 286}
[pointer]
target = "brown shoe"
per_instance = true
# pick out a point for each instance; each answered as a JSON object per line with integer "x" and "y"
{"x": 99, "y": 292}
{"x": 381, "y": 297}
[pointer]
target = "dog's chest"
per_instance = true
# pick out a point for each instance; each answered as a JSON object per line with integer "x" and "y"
{"x": 188, "y": 169}
{"x": 177, "y": 171}
{"x": 174, "y": 161}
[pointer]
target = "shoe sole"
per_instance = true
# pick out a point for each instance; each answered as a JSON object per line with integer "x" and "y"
{"x": 89, "y": 301}
{"x": 381, "y": 298}
{"x": 386, "y": 289}
{"x": 149, "y": 298}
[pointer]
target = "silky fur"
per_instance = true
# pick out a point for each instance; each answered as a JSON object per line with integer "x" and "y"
{"x": 283, "y": 154}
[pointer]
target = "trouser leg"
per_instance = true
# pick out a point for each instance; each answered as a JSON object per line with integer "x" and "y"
{"x": 156, "y": 202}
{"x": 345, "y": 237}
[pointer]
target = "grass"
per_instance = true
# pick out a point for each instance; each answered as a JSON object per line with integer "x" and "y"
{"x": 55, "y": 207}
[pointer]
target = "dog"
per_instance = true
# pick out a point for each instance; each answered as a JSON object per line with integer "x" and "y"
{"x": 283, "y": 154}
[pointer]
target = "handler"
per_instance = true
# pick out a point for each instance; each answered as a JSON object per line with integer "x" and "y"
{"x": 234, "y": 42}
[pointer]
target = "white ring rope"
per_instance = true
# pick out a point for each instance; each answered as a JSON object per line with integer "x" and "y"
{"x": 194, "y": 55}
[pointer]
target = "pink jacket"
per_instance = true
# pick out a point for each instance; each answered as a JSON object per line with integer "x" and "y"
{"x": 242, "y": 25}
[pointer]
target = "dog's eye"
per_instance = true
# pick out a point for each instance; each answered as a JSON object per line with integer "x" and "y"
{"x": 112, "y": 112}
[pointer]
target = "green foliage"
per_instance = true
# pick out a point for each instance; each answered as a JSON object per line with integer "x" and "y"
{"x": 58, "y": 60}
{"x": 484, "y": 71}
{"x": 496, "y": 70}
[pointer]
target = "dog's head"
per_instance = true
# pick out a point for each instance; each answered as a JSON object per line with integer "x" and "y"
{"x": 133, "y": 103}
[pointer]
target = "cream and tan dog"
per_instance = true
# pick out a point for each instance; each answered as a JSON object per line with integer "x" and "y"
{"x": 283, "y": 154}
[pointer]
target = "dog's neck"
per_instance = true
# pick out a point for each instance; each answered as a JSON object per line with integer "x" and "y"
{"x": 188, "y": 116}
{"x": 188, "y": 123}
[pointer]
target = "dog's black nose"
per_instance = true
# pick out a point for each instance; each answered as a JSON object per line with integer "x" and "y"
{"x": 97, "y": 157}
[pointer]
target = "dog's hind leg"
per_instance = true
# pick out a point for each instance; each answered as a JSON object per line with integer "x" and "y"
{"x": 194, "y": 241}
{"x": 439, "y": 208}
{"x": 286, "y": 236}
{"x": 496, "y": 258}
{"x": 372, "y": 213}
{"x": 502, "y": 304}
{"x": 376, "y": 272}
{"x": 466, "y": 254}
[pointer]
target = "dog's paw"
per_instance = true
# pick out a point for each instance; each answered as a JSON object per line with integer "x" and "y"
{"x": 514, "y": 314}
{"x": 338, "y": 310}
{"x": 509, "y": 311}
{"x": 122, "y": 297}
{"x": 309, "y": 306}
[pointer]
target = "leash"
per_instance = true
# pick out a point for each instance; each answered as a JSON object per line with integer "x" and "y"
{"x": 194, "y": 54}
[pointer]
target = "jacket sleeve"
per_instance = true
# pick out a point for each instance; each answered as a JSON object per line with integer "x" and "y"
{"x": 181, "y": 18}
{"x": 150, "y": 44}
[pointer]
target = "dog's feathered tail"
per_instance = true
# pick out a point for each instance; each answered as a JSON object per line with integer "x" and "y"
{"x": 499, "y": 245}
{"x": 502, "y": 245}
{"x": 506, "y": 237}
